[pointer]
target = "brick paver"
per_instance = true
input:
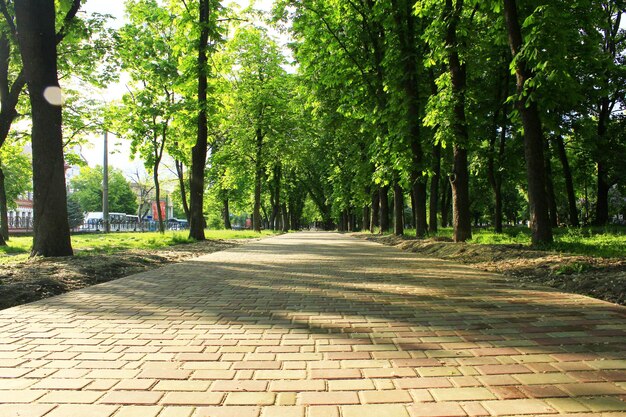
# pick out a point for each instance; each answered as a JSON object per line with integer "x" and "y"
{"x": 313, "y": 325}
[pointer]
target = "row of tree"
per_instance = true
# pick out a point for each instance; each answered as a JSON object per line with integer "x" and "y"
{"x": 420, "y": 114}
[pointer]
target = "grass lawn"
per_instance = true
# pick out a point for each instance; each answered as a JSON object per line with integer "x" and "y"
{"x": 18, "y": 247}
{"x": 607, "y": 242}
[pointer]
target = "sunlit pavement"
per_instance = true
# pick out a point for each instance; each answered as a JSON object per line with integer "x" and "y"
{"x": 315, "y": 325}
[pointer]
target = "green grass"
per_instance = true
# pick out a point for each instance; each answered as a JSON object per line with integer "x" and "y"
{"x": 606, "y": 242}
{"x": 18, "y": 248}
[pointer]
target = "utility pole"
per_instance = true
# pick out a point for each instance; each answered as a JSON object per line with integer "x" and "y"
{"x": 105, "y": 186}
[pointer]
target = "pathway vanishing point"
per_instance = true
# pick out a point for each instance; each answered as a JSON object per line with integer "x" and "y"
{"x": 313, "y": 325}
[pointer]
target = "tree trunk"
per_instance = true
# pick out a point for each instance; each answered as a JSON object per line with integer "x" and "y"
{"x": 445, "y": 203}
{"x": 226, "y": 213}
{"x": 285, "y": 215}
{"x": 398, "y": 206}
{"x": 384, "y": 209}
{"x": 4, "y": 217}
{"x": 602, "y": 185}
{"x": 569, "y": 183}
{"x": 554, "y": 221}
{"x": 533, "y": 135}
{"x": 181, "y": 182}
{"x": 157, "y": 196}
{"x": 199, "y": 150}
{"x": 258, "y": 175}
{"x": 459, "y": 180}
{"x": 366, "y": 218}
{"x": 434, "y": 188}
{"x": 37, "y": 39}
{"x": 461, "y": 215}
{"x": 375, "y": 222}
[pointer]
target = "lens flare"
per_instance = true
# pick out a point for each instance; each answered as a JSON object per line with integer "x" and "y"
{"x": 54, "y": 95}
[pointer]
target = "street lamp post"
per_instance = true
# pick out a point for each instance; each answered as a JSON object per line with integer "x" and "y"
{"x": 105, "y": 186}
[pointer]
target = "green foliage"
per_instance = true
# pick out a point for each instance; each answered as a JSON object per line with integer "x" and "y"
{"x": 87, "y": 191}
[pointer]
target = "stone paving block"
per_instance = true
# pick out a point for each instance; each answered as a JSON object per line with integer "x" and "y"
{"x": 174, "y": 385}
{"x": 227, "y": 411}
{"x": 436, "y": 410}
{"x": 461, "y": 394}
{"x": 192, "y": 398}
{"x": 385, "y": 397}
{"x": 603, "y": 403}
{"x": 250, "y": 398}
{"x": 328, "y": 398}
{"x": 61, "y": 384}
{"x": 521, "y": 407}
{"x": 299, "y": 386}
{"x": 20, "y": 396}
{"x": 131, "y": 397}
{"x": 176, "y": 411}
{"x": 591, "y": 389}
{"x": 82, "y": 410}
{"x": 25, "y": 410}
{"x": 239, "y": 385}
{"x": 138, "y": 411}
{"x": 350, "y": 385}
{"x": 374, "y": 410}
{"x": 283, "y": 411}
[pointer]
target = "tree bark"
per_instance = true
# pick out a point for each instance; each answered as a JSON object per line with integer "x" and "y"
{"x": 533, "y": 136}
{"x": 258, "y": 175}
{"x": 375, "y": 222}
{"x": 434, "y": 189}
{"x": 285, "y": 215}
{"x": 569, "y": 183}
{"x": 37, "y": 39}
{"x": 461, "y": 215}
{"x": 384, "y": 209}
{"x": 398, "y": 207}
{"x": 554, "y": 220}
{"x": 181, "y": 182}
{"x": 446, "y": 196}
{"x": 4, "y": 217}
{"x": 157, "y": 196}
{"x": 199, "y": 150}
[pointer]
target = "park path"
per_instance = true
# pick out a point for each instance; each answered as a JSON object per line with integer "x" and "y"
{"x": 313, "y": 325}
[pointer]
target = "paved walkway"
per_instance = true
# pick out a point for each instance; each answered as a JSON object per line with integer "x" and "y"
{"x": 315, "y": 325}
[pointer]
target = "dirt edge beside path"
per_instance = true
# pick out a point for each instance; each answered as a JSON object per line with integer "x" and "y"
{"x": 602, "y": 278}
{"x": 40, "y": 278}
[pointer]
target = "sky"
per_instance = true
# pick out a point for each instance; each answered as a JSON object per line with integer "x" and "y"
{"x": 119, "y": 149}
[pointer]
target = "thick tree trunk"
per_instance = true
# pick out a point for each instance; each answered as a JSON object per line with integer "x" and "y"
{"x": 37, "y": 39}
{"x": 434, "y": 189}
{"x": 226, "y": 213}
{"x": 4, "y": 218}
{"x": 569, "y": 183}
{"x": 459, "y": 180}
{"x": 375, "y": 222}
{"x": 419, "y": 191}
{"x": 554, "y": 220}
{"x": 285, "y": 215}
{"x": 533, "y": 135}
{"x": 398, "y": 208}
{"x": 183, "y": 191}
{"x": 461, "y": 215}
{"x": 199, "y": 150}
{"x": 384, "y": 209}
